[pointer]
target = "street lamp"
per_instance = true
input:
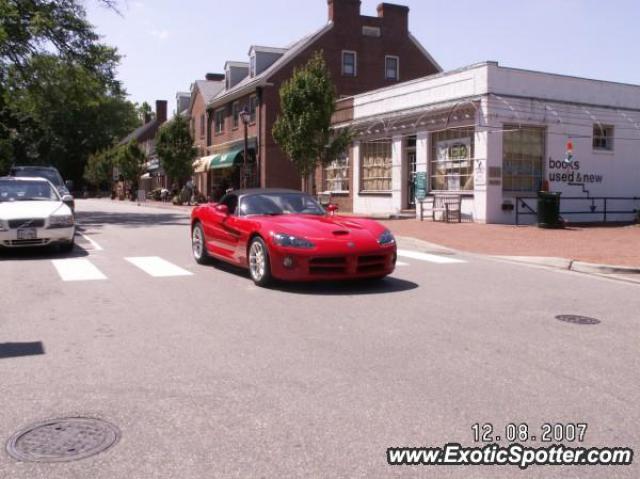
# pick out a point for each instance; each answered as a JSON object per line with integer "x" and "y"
{"x": 245, "y": 116}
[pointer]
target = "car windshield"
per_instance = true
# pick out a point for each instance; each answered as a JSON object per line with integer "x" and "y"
{"x": 279, "y": 204}
{"x": 12, "y": 190}
{"x": 46, "y": 173}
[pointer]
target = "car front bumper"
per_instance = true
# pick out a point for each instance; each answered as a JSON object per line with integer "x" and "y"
{"x": 44, "y": 237}
{"x": 290, "y": 264}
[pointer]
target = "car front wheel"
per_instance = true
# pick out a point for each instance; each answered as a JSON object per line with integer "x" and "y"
{"x": 259, "y": 264}
{"x": 198, "y": 245}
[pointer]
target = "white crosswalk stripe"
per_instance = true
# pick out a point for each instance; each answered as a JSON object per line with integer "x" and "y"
{"x": 432, "y": 258}
{"x": 158, "y": 267}
{"x": 77, "y": 269}
{"x": 401, "y": 263}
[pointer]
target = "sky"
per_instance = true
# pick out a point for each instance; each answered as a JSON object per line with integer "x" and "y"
{"x": 167, "y": 44}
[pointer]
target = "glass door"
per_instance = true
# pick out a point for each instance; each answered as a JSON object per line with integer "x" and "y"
{"x": 411, "y": 172}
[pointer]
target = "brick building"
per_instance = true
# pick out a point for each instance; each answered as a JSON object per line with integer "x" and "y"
{"x": 362, "y": 53}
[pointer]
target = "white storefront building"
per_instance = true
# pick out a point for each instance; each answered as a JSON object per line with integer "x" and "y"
{"x": 493, "y": 135}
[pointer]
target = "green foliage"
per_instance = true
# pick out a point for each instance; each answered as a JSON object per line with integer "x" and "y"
{"x": 175, "y": 149}
{"x": 303, "y": 129}
{"x": 59, "y": 98}
{"x": 129, "y": 159}
{"x": 99, "y": 169}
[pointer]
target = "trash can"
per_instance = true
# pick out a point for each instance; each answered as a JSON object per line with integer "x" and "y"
{"x": 549, "y": 210}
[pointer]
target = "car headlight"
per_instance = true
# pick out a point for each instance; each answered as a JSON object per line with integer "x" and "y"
{"x": 386, "y": 238}
{"x": 61, "y": 221}
{"x": 290, "y": 241}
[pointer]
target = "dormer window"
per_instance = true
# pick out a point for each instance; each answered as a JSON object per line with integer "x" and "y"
{"x": 227, "y": 80}
{"x": 252, "y": 66}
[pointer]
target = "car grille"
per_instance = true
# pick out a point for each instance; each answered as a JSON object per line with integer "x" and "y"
{"x": 328, "y": 265}
{"x": 341, "y": 265}
{"x": 26, "y": 223}
{"x": 371, "y": 263}
{"x": 31, "y": 242}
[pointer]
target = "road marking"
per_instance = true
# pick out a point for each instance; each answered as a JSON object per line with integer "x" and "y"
{"x": 158, "y": 267}
{"x": 77, "y": 269}
{"x": 95, "y": 245}
{"x": 401, "y": 263}
{"x": 432, "y": 258}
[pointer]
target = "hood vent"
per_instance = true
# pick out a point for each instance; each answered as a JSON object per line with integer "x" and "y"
{"x": 340, "y": 232}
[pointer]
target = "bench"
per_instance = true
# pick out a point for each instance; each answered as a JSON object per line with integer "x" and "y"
{"x": 449, "y": 205}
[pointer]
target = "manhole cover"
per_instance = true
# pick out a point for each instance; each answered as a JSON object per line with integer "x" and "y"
{"x": 62, "y": 440}
{"x": 575, "y": 319}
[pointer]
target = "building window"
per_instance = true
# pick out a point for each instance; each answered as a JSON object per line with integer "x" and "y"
{"x": 523, "y": 151}
{"x": 227, "y": 80}
{"x": 603, "y": 137}
{"x": 235, "y": 113}
{"x": 374, "y": 32}
{"x": 336, "y": 174}
{"x": 202, "y": 126}
{"x": 253, "y": 105}
{"x": 451, "y": 165}
{"x": 349, "y": 63}
{"x": 252, "y": 66}
{"x": 391, "y": 67}
{"x": 375, "y": 166}
{"x": 219, "y": 120}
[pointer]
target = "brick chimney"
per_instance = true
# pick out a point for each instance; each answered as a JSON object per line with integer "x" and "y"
{"x": 214, "y": 76}
{"x": 343, "y": 10}
{"x": 161, "y": 110}
{"x": 394, "y": 16}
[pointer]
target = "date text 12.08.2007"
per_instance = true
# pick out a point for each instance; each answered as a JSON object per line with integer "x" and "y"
{"x": 523, "y": 432}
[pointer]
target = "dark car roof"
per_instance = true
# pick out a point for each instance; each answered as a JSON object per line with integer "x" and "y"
{"x": 257, "y": 191}
{"x": 33, "y": 167}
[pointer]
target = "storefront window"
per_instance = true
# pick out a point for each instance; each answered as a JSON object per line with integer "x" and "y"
{"x": 452, "y": 160}
{"x": 375, "y": 164}
{"x": 336, "y": 174}
{"x": 522, "y": 158}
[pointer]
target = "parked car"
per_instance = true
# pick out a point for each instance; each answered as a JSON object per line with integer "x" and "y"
{"x": 32, "y": 213}
{"x": 287, "y": 235}
{"x": 49, "y": 173}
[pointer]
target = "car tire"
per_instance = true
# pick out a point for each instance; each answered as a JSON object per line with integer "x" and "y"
{"x": 198, "y": 247}
{"x": 259, "y": 262}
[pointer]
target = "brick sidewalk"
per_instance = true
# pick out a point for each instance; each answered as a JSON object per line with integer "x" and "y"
{"x": 613, "y": 245}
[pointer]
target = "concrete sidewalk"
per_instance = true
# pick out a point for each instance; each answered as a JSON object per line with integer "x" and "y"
{"x": 599, "y": 245}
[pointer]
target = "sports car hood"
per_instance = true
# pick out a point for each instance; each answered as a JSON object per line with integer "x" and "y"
{"x": 10, "y": 210}
{"x": 315, "y": 228}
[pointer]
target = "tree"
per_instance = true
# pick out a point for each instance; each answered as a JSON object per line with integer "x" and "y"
{"x": 303, "y": 128}
{"x": 175, "y": 149}
{"x": 144, "y": 111}
{"x": 59, "y": 98}
{"x": 129, "y": 160}
{"x": 99, "y": 169}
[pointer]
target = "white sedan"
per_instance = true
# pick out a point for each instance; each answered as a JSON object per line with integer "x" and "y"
{"x": 32, "y": 213}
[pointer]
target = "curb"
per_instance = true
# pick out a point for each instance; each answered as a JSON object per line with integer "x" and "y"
{"x": 571, "y": 264}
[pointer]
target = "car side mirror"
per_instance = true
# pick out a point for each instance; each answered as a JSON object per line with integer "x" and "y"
{"x": 222, "y": 209}
{"x": 331, "y": 208}
{"x": 68, "y": 200}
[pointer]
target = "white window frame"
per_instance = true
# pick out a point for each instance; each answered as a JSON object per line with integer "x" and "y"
{"x": 252, "y": 65}
{"x": 607, "y": 133}
{"x": 355, "y": 63}
{"x": 386, "y": 68}
{"x": 339, "y": 164}
{"x": 219, "y": 127}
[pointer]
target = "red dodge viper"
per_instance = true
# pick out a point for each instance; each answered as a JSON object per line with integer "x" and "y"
{"x": 287, "y": 235}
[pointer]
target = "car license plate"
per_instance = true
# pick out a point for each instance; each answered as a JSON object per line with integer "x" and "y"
{"x": 27, "y": 234}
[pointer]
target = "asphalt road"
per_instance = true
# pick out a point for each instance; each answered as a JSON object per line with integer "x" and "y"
{"x": 208, "y": 376}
